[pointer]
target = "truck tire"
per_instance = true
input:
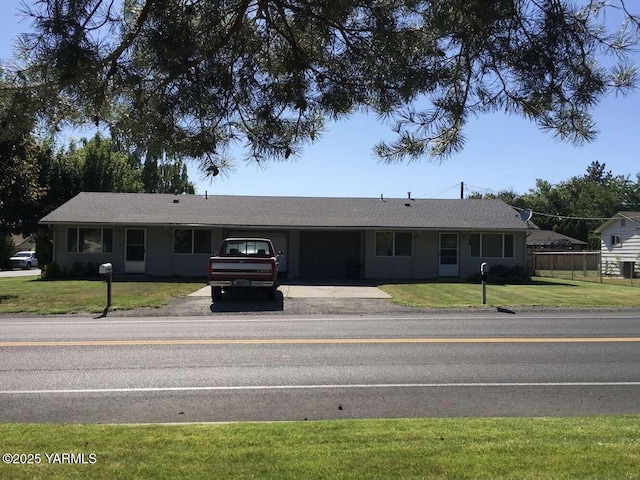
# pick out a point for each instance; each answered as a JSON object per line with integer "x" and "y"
{"x": 216, "y": 293}
{"x": 271, "y": 293}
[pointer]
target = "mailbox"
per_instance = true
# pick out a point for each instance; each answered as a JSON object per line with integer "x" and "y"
{"x": 483, "y": 279}
{"x": 105, "y": 269}
{"x": 483, "y": 271}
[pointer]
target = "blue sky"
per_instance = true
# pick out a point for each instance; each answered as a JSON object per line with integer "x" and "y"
{"x": 501, "y": 152}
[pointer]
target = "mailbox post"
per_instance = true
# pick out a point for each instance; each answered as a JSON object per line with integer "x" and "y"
{"x": 107, "y": 270}
{"x": 483, "y": 279}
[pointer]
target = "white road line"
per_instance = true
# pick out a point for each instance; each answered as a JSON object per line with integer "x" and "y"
{"x": 311, "y": 318}
{"x": 321, "y": 387}
{"x": 115, "y": 320}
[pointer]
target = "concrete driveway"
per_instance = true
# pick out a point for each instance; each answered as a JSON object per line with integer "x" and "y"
{"x": 20, "y": 273}
{"x": 318, "y": 291}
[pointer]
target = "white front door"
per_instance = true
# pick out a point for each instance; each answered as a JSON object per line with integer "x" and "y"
{"x": 135, "y": 252}
{"x": 448, "y": 264}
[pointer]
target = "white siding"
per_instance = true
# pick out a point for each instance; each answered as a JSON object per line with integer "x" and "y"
{"x": 627, "y": 251}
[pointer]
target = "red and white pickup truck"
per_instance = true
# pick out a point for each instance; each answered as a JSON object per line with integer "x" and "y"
{"x": 244, "y": 263}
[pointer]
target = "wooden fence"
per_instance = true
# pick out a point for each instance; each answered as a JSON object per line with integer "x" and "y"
{"x": 583, "y": 265}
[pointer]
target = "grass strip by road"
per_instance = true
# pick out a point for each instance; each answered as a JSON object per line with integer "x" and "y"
{"x": 547, "y": 292}
{"x": 513, "y": 448}
{"x": 33, "y": 295}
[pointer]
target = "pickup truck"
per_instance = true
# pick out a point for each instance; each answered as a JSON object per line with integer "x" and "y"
{"x": 244, "y": 263}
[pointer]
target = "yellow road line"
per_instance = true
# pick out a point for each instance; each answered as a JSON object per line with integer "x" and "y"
{"x": 318, "y": 341}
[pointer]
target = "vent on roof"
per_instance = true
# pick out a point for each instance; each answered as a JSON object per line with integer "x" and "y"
{"x": 176, "y": 200}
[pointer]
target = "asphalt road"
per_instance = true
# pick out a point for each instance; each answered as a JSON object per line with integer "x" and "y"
{"x": 235, "y": 368}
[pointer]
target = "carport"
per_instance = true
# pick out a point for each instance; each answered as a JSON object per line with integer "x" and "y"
{"x": 330, "y": 254}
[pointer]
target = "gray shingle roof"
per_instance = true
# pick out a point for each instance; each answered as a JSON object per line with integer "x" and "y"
{"x": 548, "y": 237}
{"x": 284, "y": 212}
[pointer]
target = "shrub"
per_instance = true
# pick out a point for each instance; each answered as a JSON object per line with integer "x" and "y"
{"x": 52, "y": 271}
{"x": 91, "y": 270}
{"x": 44, "y": 246}
{"x": 77, "y": 270}
{"x": 7, "y": 249}
{"x": 504, "y": 274}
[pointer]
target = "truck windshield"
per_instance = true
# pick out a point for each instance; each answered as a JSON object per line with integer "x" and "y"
{"x": 247, "y": 247}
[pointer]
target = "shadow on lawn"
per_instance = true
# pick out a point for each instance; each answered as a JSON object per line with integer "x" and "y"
{"x": 4, "y": 298}
{"x": 494, "y": 282}
{"x": 544, "y": 283}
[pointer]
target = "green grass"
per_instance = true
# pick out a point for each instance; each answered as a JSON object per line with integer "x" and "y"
{"x": 504, "y": 448}
{"x": 33, "y": 295}
{"x": 589, "y": 276}
{"x": 546, "y": 292}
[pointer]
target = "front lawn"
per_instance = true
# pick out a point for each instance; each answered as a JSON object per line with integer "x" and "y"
{"x": 33, "y": 295}
{"x": 545, "y": 292}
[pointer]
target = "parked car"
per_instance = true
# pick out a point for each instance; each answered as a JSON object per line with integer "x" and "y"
{"x": 24, "y": 260}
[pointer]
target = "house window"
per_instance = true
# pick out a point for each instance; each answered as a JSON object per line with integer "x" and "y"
{"x": 202, "y": 241}
{"x": 394, "y": 244}
{"x": 616, "y": 241}
{"x": 492, "y": 245}
{"x": 89, "y": 240}
{"x": 187, "y": 240}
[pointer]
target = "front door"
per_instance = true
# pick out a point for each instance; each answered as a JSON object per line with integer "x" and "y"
{"x": 448, "y": 255}
{"x": 135, "y": 256}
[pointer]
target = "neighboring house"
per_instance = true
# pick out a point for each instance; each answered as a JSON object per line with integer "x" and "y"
{"x": 23, "y": 243}
{"x": 620, "y": 244}
{"x": 332, "y": 238}
{"x": 549, "y": 250}
{"x": 550, "y": 241}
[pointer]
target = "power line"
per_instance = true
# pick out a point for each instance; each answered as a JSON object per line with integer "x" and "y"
{"x": 569, "y": 217}
{"x": 439, "y": 192}
{"x": 468, "y": 188}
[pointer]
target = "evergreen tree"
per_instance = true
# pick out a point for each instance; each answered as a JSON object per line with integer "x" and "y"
{"x": 192, "y": 78}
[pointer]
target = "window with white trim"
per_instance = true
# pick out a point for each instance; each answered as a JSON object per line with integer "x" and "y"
{"x": 616, "y": 241}
{"x": 394, "y": 244}
{"x": 89, "y": 240}
{"x": 191, "y": 240}
{"x": 492, "y": 245}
